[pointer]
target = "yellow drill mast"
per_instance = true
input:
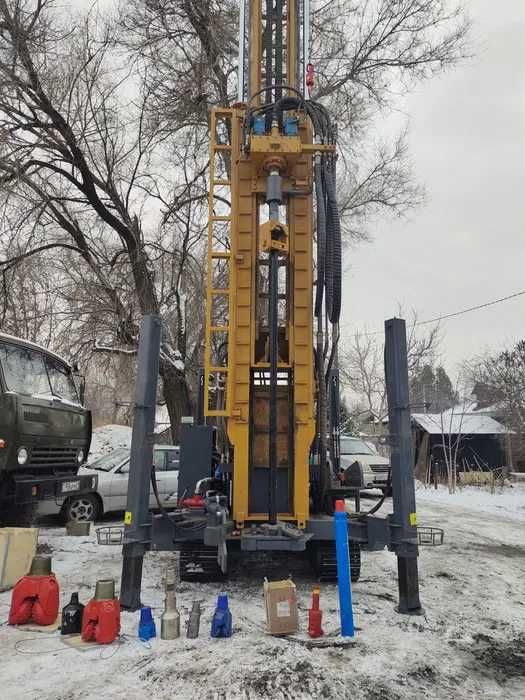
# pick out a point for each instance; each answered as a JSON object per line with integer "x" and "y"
{"x": 259, "y": 360}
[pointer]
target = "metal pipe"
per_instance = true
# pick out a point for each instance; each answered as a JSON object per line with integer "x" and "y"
{"x": 306, "y": 42}
{"x": 343, "y": 569}
{"x": 273, "y": 199}
{"x": 242, "y": 30}
{"x": 273, "y": 353}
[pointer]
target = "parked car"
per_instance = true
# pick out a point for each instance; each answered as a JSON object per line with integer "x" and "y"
{"x": 375, "y": 467}
{"x": 111, "y": 495}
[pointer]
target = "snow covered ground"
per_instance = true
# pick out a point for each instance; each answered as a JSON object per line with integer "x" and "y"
{"x": 469, "y": 644}
{"x": 109, "y": 438}
{"x": 508, "y": 500}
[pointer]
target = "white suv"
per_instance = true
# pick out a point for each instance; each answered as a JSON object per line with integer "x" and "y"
{"x": 375, "y": 467}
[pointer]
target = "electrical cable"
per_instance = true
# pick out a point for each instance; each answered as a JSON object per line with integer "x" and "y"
{"x": 443, "y": 317}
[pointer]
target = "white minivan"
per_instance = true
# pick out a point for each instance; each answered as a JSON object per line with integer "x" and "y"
{"x": 375, "y": 467}
{"x": 112, "y": 470}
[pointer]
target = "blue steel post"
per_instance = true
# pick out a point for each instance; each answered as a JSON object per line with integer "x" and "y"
{"x": 403, "y": 520}
{"x": 343, "y": 569}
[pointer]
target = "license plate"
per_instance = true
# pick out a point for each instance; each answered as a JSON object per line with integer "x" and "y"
{"x": 70, "y": 486}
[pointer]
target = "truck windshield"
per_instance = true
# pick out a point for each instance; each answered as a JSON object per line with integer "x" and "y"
{"x": 27, "y": 371}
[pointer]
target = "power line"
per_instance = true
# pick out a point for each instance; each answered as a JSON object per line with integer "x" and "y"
{"x": 443, "y": 317}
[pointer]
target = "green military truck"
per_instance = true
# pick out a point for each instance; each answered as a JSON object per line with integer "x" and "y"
{"x": 45, "y": 431}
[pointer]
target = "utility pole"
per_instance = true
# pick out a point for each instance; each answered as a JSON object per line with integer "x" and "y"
{"x": 404, "y": 517}
{"x": 138, "y": 517}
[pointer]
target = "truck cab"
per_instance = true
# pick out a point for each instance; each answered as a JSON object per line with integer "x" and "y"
{"x": 45, "y": 431}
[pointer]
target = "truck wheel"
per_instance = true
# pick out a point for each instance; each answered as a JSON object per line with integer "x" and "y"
{"x": 86, "y": 507}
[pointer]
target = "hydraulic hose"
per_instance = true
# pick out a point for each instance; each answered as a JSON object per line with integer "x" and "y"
{"x": 278, "y": 48}
{"x": 377, "y": 506}
{"x": 321, "y": 236}
{"x": 267, "y": 48}
{"x": 188, "y": 525}
{"x": 333, "y": 249}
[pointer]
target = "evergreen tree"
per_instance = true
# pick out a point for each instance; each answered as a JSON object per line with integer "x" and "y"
{"x": 422, "y": 390}
{"x": 431, "y": 390}
{"x": 445, "y": 395}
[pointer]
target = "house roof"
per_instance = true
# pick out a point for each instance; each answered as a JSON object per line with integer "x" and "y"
{"x": 454, "y": 422}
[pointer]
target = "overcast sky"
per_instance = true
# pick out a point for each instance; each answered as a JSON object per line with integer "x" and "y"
{"x": 467, "y": 244}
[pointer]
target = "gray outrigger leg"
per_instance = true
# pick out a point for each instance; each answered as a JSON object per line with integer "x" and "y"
{"x": 401, "y": 461}
{"x": 138, "y": 516}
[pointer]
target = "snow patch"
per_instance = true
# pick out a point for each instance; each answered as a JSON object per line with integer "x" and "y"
{"x": 507, "y": 501}
{"x": 109, "y": 438}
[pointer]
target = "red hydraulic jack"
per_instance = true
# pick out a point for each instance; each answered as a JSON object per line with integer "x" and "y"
{"x": 36, "y": 596}
{"x": 101, "y": 619}
{"x": 315, "y": 616}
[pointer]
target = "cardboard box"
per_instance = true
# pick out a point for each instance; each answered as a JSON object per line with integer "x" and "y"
{"x": 281, "y": 607}
{"x": 17, "y": 549}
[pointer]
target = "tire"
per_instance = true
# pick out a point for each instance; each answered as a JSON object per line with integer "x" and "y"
{"x": 86, "y": 507}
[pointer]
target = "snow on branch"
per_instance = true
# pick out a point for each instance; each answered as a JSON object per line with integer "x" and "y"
{"x": 98, "y": 347}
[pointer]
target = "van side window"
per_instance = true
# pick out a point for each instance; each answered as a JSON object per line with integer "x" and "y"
{"x": 173, "y": 460}
{"x": 24, "y": 370}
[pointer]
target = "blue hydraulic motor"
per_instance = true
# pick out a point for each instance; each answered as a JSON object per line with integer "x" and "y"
{"x": 221, "y": 624}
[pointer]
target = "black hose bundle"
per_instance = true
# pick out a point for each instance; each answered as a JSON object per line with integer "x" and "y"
{"x": 333, "y": 247}
{"x": 321, "y": 236}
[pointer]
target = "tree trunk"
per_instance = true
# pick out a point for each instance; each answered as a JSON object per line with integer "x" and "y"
{"x": 177, "y": 397}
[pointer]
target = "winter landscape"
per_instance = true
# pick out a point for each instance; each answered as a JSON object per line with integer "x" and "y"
{"x": 470, "y": 642}
{"x": 262, "y": 351}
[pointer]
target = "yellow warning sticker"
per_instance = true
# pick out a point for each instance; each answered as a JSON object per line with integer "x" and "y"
{"x": 413, "y": 519}
{"x": 128, "y": 518}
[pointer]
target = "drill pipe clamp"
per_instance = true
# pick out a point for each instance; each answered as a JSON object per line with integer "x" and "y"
{"x": 274, "y": 236}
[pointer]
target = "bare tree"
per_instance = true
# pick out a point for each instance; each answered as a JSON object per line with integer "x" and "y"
{"x": 366, "y": 56}
{"x": 362, "y": 363}
{"x": 104, "y": 156}
{"x": 499, "y": 383}
{"x": 80, "y": 165}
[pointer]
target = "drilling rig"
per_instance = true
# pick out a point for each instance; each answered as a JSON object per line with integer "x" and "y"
{"x": 263, "y": 377}
{"x": 260, "y": 471}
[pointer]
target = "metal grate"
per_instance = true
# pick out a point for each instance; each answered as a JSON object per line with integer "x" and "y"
{"x": 430, "y": 536}
{"x": 380, "y": 468}
{"x": 60, "y": 456}
{"x": 110, "y": 534}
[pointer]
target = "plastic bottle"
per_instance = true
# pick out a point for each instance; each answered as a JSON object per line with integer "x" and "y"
{"x": 72, "y": 616}
{"x": 315, "y": 616}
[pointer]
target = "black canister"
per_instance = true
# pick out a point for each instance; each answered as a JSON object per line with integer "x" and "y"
{"x": 72, "y": 616}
